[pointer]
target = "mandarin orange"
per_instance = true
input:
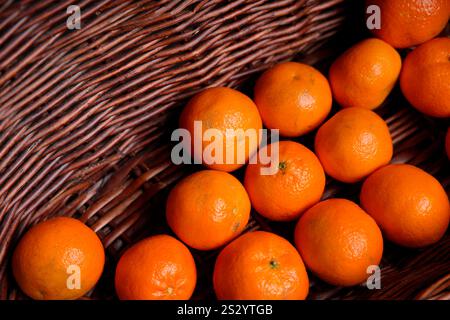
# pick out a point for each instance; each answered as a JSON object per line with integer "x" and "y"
{"x": 365, "y": 74}
{"x": 260, "y": 266}
{"x": 230, "y": 113}
{"x": 353, "y": 143}
{"x": 425, "y": 78}
{"x": 296, "y": 186}
{"x": 410, "y": 206}
{"x": 293, "y": 97}
{"x": 406, "y": 23}
{"x": 156, "y": 268}
{"x": 58, "y": 259}
{"x": 208, "y": 209}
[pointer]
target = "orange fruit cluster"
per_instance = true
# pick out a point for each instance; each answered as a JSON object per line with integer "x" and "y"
{"x": 335, "y": 239}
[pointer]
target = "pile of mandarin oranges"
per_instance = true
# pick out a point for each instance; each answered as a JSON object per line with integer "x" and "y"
{"x": 337, "y": 240}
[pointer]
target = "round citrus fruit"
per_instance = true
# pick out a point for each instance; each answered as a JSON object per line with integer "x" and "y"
{"x": 260, "y": 266}
{"x": 59, "y": 259}
{"x": 406, "y": 23}
{"x": 156, "y": 268}
{"x": 293, "y": 97}
{"x": 353, "y": 143}
{"x": 339, "y": 241}
{"x": 410, "y": 206}
{"x": 425, "y": 78}
{"x": 296, "y": 185}
{"x": 226, "y": 114}
{"x": 207, "y": 209}
{"x": 365, "y": 74}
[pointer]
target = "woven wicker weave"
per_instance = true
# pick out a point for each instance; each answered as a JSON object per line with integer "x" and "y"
{"x": 85, "y": 117}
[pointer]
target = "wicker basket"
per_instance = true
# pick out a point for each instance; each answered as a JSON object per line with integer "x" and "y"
{"x": 85, "y": 117}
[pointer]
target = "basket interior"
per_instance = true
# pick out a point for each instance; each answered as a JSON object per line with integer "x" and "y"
{"x": 109, "y": 164}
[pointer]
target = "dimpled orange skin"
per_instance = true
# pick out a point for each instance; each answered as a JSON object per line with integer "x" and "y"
{"x": 409, "y": 205}
{"x": 425, "y": 78}
{"x": 260, "y": 266}
{"x": 364, "y": 75}
{"x": 298, "y": 184}
{"x": 208, "y": 209}
{"x": 156, "y": 268}
{"x": 447, "y": 143}
{"x": 293, "y": 97}
{"x": 43, "y": 260}
{"x": 352, "y": 144}
{"x": 223, "y": 108}
{"x": 406, "y": 23}
{"x": 338, "y": 241}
